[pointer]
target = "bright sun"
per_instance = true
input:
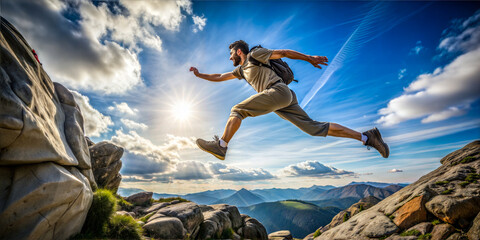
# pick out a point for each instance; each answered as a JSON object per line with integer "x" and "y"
{"x": 182, "y": 111}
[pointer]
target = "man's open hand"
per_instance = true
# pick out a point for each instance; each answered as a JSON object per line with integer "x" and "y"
{"x": 194, "y": 70}
{"x": 316, "y": 60}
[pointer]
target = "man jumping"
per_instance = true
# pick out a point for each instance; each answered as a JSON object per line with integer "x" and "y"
{"x": 274, "y": 96}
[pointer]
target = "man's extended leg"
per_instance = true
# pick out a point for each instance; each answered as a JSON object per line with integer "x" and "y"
{"x": 337, "y": 130}
{"x": 296, "y": 115}
{"x": 233, "y": 124}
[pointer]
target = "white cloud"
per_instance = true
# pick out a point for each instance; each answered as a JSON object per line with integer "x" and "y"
{"x": 98, "y": 50}
{"x": 401, "y": 73}
{"x": 462, "y": 35}
{"x": 449, "y": 90}
{"x": 199, "y": 23}
{"x": 395, "y": 170}
{"x": 123, "y": 108}
{"x": 455, "y": 86}
{"x": 141, "y": 146}
{"x": 313, "y": 169}
{"x": 95, "y": 123}
{"x": 416, "y": 50}
{"x": 231, "y": 173}
{"x": 133, "y": 125}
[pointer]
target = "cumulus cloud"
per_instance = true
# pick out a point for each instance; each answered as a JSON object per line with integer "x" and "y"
{"x": 95, "y": 123}
{"x": 446, "y": 92}
{"x": 416, "y": 50}
{"x": 123, "y": 108}
{"x": 97, "y": 49}
{"x": 314, "y": 169}
{"x": 133, "y": 125}
{"x": 395, "y": 170}
{"x": 199, "y": 23}
{"x": 401, "y": 73}
{"x": 139, "y": 145}
{"x": 231, "y": 173}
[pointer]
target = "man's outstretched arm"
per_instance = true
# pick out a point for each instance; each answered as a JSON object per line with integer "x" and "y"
{"x": 216, "y": 77}
{"x": 314, "y": 60}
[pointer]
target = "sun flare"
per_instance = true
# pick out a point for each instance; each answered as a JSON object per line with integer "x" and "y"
{"x": 182, "y": 111}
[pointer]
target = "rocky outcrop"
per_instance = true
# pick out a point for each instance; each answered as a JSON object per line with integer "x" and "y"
{"x": 188, "y": 220}
{"x": 45, "y": 170}
{"x": 106, "y": 164}
{"x": 448, "y": 194}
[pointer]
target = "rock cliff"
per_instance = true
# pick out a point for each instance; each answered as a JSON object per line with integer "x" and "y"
{"x": 46, "y": 178}
{"x": 443, "y": 204}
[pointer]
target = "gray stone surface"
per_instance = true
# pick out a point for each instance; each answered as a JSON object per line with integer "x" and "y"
{"x": 442, "y": 231}
{"x": 140, "y": 198}
{"x": 188, "y": 212}
{"x": 214, "y": 223}
{"x": 165, "y": 228}
{"x": 44, "y": 200}
{"x": 423, "y": 228}
{"x": 252, "y": 229}
{"x": 453, "y": 208}
{"x": 474, "y": 232}
{"x": 45, "y": 170}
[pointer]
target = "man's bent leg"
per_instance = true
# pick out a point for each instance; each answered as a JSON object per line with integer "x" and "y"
{"x": 233, "y": 124}
{"x": 337, "y": 130}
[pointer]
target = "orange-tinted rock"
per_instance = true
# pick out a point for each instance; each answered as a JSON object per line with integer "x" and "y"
{"x": 411, "y": 213}
{"x": 442, "y": 231}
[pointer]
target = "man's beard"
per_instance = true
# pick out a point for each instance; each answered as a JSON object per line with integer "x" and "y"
{"x": 236, "y": 60}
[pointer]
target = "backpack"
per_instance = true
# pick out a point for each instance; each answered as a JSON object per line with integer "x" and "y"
{"x": 280, "y": 67}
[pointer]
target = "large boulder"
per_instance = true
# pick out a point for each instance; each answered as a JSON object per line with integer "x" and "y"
{"x": 189, "y": 214}
{"x": 106, "y": 164}
{"x": 411, "y": 213}
{"x": 141, "y": 198}
{"x": 280, "y": 235}
{"x": 165, "y": 228}
{"x": 252, "y": 229}
{"x": 45, "y": 174}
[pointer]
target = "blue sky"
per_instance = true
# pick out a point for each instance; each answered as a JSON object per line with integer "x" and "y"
{"x": 409, "y": 68}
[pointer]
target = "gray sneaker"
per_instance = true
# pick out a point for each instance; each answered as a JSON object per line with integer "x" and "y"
{"x": 213, "y": 147}
{"x": 375, "y": 140}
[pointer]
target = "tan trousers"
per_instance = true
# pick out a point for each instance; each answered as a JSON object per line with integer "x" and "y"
{"x": 283, "y": 101}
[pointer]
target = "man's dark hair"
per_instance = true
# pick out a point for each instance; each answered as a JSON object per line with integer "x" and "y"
{"x": 240, "y": 44}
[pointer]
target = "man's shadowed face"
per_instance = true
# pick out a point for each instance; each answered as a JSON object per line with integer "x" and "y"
{"x": 234, "y": 57}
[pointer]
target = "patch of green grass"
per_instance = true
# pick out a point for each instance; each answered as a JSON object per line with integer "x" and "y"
{"x": 448, "y": 191}
{"x": 124, "y": 205}
{"x": 103, "y": 206}
{"x": 227, "y": 234}
{"x": 412, "y": 232}
{"x": 346, "y": 216}
{"x": 468, "y": 159}
{"x": 441, "y": 182}
{"x": 435, "y": 222}
{"x": 472, "y": 177}
{"x": 361, "y": 208}
{"x": 298, "y": 205}
{"x": 146, "y": 217}
{"x": 160, "y": 200}
{"x": 426, "y": 236}
{"x": 317, "y": 233}
{"x": 124, "y": 227}
{"x": 463, "y": 184}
